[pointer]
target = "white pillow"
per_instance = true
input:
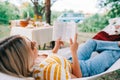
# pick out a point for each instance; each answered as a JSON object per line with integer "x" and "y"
{"x": 110, "y": 29}
{"x": 8, "y": 77}
{"x": 114, "y": 21}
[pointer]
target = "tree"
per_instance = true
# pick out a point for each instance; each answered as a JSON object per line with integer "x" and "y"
{"x": 41, "y": 8}
{"x": 8, "y": 12}
{"x": 48, "y": 4}
{"x": 26, "y": 10}
{"x": 47, "y": 11}
{"x": 113, "y": 7}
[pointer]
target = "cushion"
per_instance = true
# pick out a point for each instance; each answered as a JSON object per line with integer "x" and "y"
{"x": 114, "y": 21}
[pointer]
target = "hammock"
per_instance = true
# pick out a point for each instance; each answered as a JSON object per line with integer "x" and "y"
{"x": 65, "y": 52}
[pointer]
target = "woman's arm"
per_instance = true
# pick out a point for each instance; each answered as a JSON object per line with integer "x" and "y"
{"x": 75, "y": 66}
{"x": 58, "y": 43}
{"x": 73, "y": 76}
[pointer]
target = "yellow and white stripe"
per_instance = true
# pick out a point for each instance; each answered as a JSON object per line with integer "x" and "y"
{"x": 53, "y": 68}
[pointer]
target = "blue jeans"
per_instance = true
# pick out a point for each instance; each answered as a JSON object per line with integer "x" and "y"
{"x": 109, "y": 53}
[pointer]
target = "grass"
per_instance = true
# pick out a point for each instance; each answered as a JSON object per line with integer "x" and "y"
{"x": 115, "y": 75}
{"x": 5, "y": 31}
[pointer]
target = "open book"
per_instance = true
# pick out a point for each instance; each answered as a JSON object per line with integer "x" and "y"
{"x": 65, "y": 30}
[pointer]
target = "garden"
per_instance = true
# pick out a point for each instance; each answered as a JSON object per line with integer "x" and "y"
{"x": 87, "y": 29}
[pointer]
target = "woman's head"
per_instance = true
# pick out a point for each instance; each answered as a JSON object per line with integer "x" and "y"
{"x": 17, "y": 56}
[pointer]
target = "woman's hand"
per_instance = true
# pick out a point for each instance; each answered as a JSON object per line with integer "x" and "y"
{"x": 74, "y": 45}
{"x": 58, "y": 44}
{"x": 75, "y": 66}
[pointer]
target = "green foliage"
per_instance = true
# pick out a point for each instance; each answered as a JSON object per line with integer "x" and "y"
{"x": 8, "y": 12}
{"x": 4, "y": 31}
{"x": 28, "y": 9}
{"x": 39, "y": 7}
{"x": 118, "y": 72}
{"x": 94, "y": 23}
{"x": 112, "y": 5}
{"x": 97, "y": 22}
{"x": 54, "y": 16}
{"x": 115, "y": 11}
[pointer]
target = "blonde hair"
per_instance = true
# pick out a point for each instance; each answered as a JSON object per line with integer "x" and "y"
{"x": 15, "y": 57}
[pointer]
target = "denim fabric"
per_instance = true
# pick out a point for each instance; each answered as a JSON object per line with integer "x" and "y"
{"x": 109, "y": 53}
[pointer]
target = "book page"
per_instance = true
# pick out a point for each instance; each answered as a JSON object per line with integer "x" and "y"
{"x": 71, "y": 30}
{"x": 65, "y": 30}
{"x": 57, "y": 30}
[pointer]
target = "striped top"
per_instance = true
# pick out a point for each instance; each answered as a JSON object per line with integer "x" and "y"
{"x": 54, "y": 67}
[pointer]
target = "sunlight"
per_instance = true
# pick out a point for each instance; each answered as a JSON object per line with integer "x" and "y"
{"x": 87, "y": 6}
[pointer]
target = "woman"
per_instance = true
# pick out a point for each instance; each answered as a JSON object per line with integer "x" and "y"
{"x": 19, "y": 57}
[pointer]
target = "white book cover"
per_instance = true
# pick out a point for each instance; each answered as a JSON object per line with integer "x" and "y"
{"x": 65, "y": 30}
